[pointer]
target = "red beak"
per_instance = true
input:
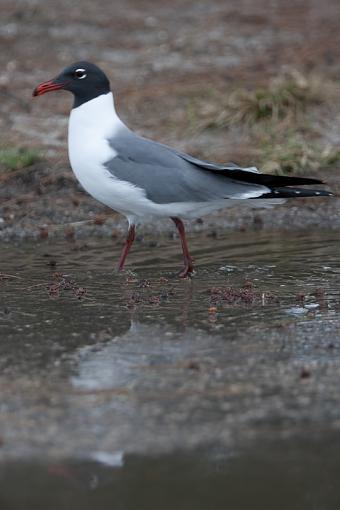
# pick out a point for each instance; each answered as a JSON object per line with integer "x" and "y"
{"x": 47, "y": 86}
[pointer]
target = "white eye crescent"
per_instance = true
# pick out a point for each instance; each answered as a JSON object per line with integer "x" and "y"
{"x": 80, "y": 74}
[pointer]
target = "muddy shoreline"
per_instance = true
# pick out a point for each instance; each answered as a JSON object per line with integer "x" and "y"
{"x": 319, "y": 214}
{"x": 169, "y": 74}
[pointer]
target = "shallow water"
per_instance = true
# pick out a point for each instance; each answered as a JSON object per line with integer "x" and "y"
{"x": 146, "y": 380}
{"x": 283, "y": 477}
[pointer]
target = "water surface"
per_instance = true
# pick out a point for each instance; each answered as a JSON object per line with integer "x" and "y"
{"x": 144, "y": 380}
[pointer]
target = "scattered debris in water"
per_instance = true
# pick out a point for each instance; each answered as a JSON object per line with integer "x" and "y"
{"x": 65, "y": 283}
{"x": 145, "y": 292}
{"x": 244, "y": 295}
{"x": 300, "y": 296}
{"x": 137, "y": 298}
{"x": 305, "y": 373}
{"x": 193, "y": 365}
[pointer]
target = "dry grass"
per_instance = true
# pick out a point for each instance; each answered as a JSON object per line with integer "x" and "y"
{"x": 281, "y": 124}
{"x": 286, "y": 97}
{"x": 297, "y": 157}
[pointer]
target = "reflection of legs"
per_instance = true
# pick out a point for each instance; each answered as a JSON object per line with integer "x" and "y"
{"x": 128, "y": 243}
{"x": 188, "y": 265}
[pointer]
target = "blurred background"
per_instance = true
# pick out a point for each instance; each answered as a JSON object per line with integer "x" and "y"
{"x": 254, "y": 82}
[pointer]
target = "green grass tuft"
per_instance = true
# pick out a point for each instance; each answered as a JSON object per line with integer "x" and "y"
{"x": 18, "y": 158}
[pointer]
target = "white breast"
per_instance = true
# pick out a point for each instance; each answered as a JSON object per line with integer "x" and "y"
{"x": 90, "y": 126}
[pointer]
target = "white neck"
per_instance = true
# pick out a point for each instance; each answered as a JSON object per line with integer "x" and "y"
{"x": 97, "y": 117}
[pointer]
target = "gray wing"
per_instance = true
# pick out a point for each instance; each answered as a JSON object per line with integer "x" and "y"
{"x": 208, "y": 165}
{"x": 169, "y": 176}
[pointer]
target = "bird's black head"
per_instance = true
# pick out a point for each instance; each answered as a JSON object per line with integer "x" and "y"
{"x": 86, "y": 81}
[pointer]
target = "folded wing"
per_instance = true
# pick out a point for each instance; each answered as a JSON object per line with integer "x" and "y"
{"x": 169, "y": 176}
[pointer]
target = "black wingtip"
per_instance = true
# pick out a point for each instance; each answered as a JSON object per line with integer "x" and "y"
{"x": 296, "y": 193}
{"x": 270, "y": 180}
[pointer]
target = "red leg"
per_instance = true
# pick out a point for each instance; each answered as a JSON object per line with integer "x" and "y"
{"x": 128, "y": 243}
{"x": 188, "y": 262}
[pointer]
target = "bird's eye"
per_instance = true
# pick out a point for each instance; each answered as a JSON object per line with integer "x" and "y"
{"x": 80, "y": 74}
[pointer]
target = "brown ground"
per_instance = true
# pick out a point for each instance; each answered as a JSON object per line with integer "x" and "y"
{"x": 166, "y": 62}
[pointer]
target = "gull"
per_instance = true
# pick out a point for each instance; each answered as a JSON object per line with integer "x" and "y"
{"x": 143, "y": 179}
